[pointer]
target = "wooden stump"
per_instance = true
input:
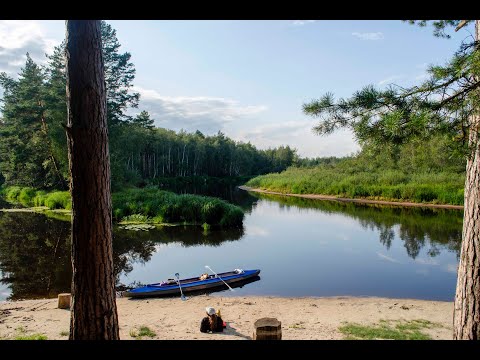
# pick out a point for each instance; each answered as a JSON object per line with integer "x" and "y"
{"x": 64, "y": 301}
{"x": 267, "y": 329}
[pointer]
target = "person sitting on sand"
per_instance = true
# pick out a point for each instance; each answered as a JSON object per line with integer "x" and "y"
{"x": 212, "y": 322}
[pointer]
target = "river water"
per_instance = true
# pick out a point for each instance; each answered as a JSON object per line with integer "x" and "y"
{"x": 303, "y": 247}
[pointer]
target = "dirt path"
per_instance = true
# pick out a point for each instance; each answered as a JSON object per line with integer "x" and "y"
{"x": 360, "y": 201}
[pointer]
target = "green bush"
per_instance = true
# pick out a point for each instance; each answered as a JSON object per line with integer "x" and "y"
{"x": 162, "y": 206}
{"x": 30, "y": 197}
{"x": 58, "y": 200}
{"x": 26, "y": 196}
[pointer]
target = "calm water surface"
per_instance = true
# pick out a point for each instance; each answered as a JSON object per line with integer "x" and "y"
{"x": 303, "y": 247}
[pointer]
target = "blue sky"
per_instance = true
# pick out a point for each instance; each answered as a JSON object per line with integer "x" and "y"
{"x": 249, "y": 79}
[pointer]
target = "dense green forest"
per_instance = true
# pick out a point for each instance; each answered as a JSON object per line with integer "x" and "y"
{"x": 420, "y": 170}
{"x": 33, "y": 149}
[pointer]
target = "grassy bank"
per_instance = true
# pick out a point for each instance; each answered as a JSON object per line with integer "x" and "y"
{"x": 157, "y": 206}
{"x": 148, "y": 205}
{"x": 343, "y": 180}
{"x": 30, "y": 197}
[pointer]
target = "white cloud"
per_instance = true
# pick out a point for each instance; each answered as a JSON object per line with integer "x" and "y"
{"x": 191, "y": 113}
{"x": 302, "y": 22}
{"x": 299, "y": 135}
{"x": 17, "y": 37}
{"x": 369, "y": 35}
{"x": 279, "y": 130}
{"x": 388, "y": 258}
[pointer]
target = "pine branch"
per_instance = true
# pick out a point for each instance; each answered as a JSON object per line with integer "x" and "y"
{"x": 454, "y": 96}
{"x": 462, "y": 24}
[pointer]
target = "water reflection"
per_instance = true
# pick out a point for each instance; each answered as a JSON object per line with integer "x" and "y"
{"x": 35, "y": 251}
{"x": 34, "y": 255}
{"x": 417, "y": 227}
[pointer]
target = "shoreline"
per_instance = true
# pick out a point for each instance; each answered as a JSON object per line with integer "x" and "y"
{"x": 359, "y": 201}
{"x": 304, "y": 318}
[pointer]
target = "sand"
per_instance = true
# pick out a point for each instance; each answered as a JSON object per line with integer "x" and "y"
{"x": 301, "y": 318}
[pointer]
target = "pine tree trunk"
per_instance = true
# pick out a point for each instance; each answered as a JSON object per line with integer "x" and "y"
{"x": 94, "y": 311}
{"x": 466, "y": 317}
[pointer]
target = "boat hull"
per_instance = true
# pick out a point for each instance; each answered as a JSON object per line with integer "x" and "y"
{"x": 192, "y": 286}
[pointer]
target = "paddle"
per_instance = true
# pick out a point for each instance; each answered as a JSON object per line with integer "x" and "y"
{"x": 208, "y": 267}
{"x": 183, "y": 297}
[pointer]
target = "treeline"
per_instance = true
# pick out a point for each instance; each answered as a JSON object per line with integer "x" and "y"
{"x": 147, "y": 154}
{"x": 430, "y": 171}
{"x": 33, "y": 148}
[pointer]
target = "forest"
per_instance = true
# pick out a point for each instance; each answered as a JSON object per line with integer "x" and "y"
{"x": 33, "y": 145}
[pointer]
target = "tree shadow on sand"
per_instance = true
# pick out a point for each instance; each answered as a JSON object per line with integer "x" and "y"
{"x": 229, "y": 330}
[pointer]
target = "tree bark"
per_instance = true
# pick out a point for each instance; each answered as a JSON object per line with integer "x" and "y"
{"x": 94, "y": 311}
{"x": 466, "y": 316}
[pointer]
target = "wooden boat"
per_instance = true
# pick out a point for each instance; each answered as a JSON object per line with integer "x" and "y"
{"x": 201, "y": 284}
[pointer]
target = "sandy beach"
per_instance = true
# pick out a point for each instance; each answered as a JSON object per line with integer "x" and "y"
{"x": 301, "y": 318}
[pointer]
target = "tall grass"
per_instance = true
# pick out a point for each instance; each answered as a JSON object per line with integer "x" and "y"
{"x": 380, "y": 184}
{"x": 142, "y": 205}
{"x": 31, "y": 197}
{"x": 164, "y": 206}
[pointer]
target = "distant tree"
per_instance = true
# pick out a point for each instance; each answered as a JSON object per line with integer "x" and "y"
{"x": 143, "y": 120}
{"x": 94, "y": 311}
{"x": 56, "y": 107}
{"x": 447, "y": 103}
{"x": 119, "y": 75}
{"x": 27, "y": 154}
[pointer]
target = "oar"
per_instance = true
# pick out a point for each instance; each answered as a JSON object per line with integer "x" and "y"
{"x": 208, "y": 267}
{"x": 183, "y": 297}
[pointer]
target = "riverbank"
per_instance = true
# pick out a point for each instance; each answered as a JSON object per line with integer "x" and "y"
{"x": 302, "y": 318}
{"x": 360, "y": 201}
{"x": 139, "y": 206}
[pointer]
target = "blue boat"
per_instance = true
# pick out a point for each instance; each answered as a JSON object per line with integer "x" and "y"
{"x": 202, "y": 284}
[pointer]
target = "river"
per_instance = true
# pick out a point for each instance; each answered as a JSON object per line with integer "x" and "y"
{"x": 303, "y": 247}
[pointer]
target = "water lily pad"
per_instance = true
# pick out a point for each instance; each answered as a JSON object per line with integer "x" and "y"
{"x": 138, "y": 227}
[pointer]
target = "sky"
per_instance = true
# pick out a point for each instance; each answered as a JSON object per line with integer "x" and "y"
{"x": 250, "y": 78}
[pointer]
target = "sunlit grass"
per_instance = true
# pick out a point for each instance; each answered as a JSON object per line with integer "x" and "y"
{"x": 391, "y": 330}
{"x": 378, "y": 184}
{"x": 30, "y": 197}
{"x": 134, "y": 206}
{"x": 31, "y": 337}
{"x": 24, "y": 336}
{"x": 143, "y": 331}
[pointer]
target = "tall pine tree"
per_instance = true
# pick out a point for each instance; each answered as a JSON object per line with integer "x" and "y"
{"x": 27, "y": 156}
